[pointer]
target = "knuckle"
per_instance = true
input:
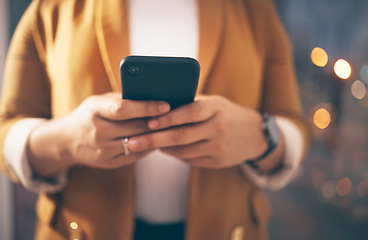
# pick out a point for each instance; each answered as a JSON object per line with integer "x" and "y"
{"x": 96, "y": 130}
{"x": 94, "y": 137}
{"x": 94, "y": 119}
{"x": 90, "y": 105}
{"x": 99, "y": 154}
{"x": 119, "y": 108}
{"x": 97, "y": 134}
{"x": 103, "y": 151}
{"x": 91, "y": 112}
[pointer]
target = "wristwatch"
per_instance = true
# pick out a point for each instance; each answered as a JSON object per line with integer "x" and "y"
{"x": 272, "y": 134}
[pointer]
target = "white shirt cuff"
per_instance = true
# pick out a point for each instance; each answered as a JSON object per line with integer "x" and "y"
{"x": 292, "y": 158}
{"x": 15, "y": 154}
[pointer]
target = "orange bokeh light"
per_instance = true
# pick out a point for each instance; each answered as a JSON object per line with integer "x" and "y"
{"x": 319, "y": 57}
{"x": 344, "y": 186}
{"x": 342, "y": 69}
{"x": 322, "y": 118}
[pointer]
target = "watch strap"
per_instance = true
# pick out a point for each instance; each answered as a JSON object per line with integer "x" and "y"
{"x": 271, "y": 144}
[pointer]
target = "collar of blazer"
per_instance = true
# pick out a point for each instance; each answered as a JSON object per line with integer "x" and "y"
{"x": 111, "y": 25}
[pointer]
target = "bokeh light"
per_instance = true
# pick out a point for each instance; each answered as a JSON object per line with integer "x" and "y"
{"x": 322, "y": 118}
{"x": 358, "y": 89}
{"x": 362, "y": 189}
{"x": 329, "y": 189}
{"x": 344, "y": 186}
{"x": 74, "y": 225}
{"x": 342, "y": 69}
{"x": 319, "y": 57}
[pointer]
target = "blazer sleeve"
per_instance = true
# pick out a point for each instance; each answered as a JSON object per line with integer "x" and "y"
{"x": 26, "y": 89}
{"x": 281, "y": 95}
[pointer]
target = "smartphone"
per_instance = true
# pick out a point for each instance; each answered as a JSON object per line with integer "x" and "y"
{"x": 170, "y": 79}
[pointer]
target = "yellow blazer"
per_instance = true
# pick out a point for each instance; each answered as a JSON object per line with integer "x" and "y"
{"x": 66, "y": 50}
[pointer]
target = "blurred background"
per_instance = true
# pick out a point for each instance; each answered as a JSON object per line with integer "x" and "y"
{"x": 329, "y": 197}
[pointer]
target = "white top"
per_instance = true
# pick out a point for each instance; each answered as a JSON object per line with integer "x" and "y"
{"x": 166, "y": 28}
{"x": 162, "y": 28}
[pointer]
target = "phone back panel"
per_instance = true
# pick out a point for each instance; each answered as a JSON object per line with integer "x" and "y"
{"x": 170, "y": 79}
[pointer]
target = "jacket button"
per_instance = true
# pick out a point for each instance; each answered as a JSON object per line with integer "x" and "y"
{"x": 237, "y": 233}
{"x": 74, "y": 231}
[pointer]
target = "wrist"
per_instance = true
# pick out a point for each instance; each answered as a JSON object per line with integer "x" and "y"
{"x": 272, "y": 138}
{"x": 273, "y": 162}
{"x": 47, "y": 149}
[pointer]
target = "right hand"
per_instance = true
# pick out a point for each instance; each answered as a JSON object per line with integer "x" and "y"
{"x": 92, "y": 134}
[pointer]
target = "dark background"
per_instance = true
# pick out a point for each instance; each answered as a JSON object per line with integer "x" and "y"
{"x": 311, "y": 206}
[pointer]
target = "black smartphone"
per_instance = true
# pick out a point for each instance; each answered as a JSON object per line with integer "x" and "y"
{"x": 170, "y": 79}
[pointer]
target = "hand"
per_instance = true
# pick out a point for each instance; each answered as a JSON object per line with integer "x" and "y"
{"x": 92, "y": 134}
{"x": 211, "y": 132}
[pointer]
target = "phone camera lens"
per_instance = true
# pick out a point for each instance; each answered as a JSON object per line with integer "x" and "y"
{"x": 133, "y": 70}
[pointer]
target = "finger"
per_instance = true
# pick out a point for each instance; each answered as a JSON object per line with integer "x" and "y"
{"x": 110, "y": 149}
{"x": 176, "y": 136}
{"x": 108, "y": 130}
{"x": 114, "y": 156}
{"x": 121, "y": 109}
{"x": 193, "y": 150}
{"x": 130, "y": 128}
{"x": 115, "y": 148}
{"x": 195, "y": 112}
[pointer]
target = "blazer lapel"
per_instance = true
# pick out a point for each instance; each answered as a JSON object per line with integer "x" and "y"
{"x": 112, "y": 32}
{"x": 113, "y": 36}
{"x": 211, "y": 31}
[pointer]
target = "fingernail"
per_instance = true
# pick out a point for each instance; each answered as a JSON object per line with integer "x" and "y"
{"x": 164, "y": 107}
{"x": 152, "y": 124}
{"x": 133, "y": 144}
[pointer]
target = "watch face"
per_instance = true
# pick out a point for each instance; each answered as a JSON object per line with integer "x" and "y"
{"x": 273, "y": 130}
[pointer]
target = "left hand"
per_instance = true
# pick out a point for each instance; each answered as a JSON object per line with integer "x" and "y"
{"x": 211, "y": 132}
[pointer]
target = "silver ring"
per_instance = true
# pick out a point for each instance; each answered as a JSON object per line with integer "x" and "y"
{"x": 125, "y": 141}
